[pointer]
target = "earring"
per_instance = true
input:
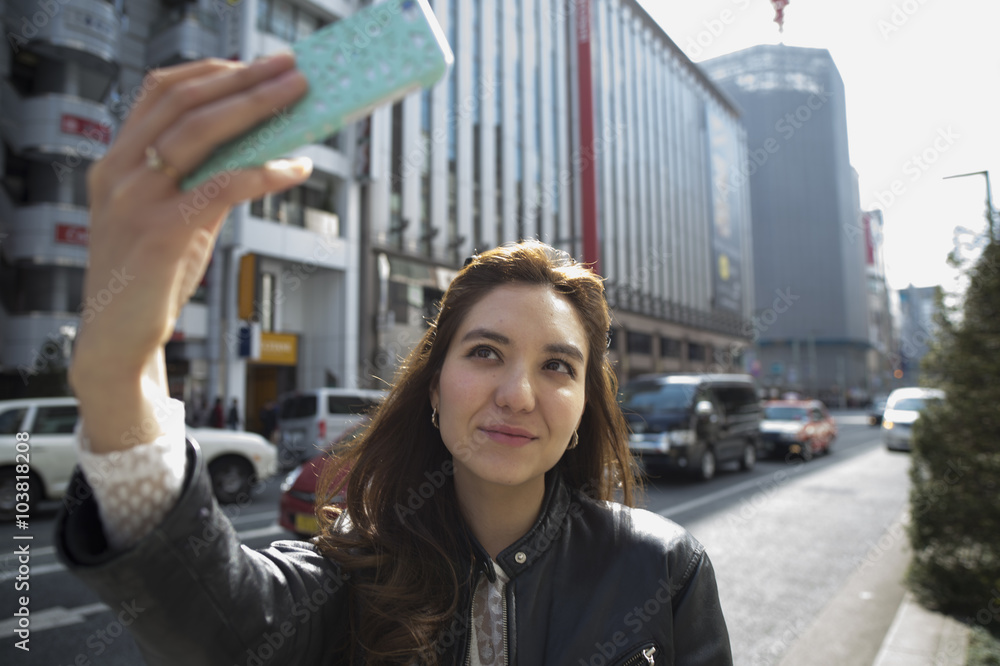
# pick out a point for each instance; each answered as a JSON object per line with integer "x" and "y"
{"x": 434, "y": 418}
{"x": 573, "y": 442}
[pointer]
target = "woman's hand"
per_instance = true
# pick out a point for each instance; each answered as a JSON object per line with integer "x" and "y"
{"x": 150, "y": 242}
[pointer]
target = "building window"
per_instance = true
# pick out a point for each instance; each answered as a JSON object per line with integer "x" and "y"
{"x": 267, "y": 300}
{"x": 670, "y": 348}
{"x": 696, "y": 352}
{"x": 640, "y": 343}
{"x": 285, "y": 20}
{"x": 396, "y": 177}
{"x": 31, "y": 288}
{"x": 311, "y": 206}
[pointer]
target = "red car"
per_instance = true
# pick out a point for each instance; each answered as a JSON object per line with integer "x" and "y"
{"x": 297, "y": 512}
{"x": 800, "y": 428}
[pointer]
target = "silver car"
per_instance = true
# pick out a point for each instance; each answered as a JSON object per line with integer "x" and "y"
{"x": 902, "y": 410}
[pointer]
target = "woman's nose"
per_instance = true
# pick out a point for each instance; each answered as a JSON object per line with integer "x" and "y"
{"x": 515, "y": 390}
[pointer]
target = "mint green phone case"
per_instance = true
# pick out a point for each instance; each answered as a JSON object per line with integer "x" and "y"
{"x": 373, "y": 57}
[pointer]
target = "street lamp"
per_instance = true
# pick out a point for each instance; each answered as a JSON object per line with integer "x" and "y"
{"x": 989, "y": 198}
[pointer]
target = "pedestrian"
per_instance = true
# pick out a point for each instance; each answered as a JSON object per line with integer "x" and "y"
{"x": 268, "y": 419}
{"x": 216, "y": 420}
{"x": 487, "y": 514}
{"x": 233, "y": 416}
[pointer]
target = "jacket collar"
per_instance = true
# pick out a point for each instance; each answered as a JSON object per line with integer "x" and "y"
{"x": 529, "y": 548}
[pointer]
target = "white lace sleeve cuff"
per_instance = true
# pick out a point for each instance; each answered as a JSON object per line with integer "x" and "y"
{"x": 136, "y": 488}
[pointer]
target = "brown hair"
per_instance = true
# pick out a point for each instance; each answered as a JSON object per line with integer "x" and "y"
{"x": 404, "y": 547}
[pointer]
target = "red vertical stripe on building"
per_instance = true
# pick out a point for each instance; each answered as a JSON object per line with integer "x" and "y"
{"x": 588, "y": 170}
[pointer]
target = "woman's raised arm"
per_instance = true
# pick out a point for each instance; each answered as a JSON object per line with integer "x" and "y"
{"x": 150, "y": 242}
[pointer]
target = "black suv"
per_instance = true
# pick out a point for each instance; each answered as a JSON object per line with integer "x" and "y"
{"x": 693, "y": 422}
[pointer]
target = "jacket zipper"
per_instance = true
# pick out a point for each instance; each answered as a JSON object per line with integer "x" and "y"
{"x": 472, "y": 621}
{"x": 645, "y": 656}
{"x": 506, "y": 646}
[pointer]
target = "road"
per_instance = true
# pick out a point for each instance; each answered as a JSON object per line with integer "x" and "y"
{"x": 783, "y": 538}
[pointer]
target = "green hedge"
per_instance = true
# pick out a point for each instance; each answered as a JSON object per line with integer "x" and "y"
{"x": 955, "y": 495}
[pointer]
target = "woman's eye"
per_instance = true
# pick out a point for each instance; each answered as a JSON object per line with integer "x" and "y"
{"x": 484, "y": 352}
{"x": 561, "y": 366}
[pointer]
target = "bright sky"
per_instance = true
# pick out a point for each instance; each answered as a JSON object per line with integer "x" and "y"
{"x": 922, "y": 81}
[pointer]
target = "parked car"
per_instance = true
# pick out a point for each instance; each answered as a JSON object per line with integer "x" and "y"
{"x": 308, "y": 419}
{"x": 693, "y": 422}
{"x": 876, "y": 409}
{"x": 297, "y": 506}
{"x": 235, "y": 459}
{"x": 901, "y": 411}
{"x": 800, "y": 428}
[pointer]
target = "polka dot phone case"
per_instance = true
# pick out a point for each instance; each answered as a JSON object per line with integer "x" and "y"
{"x": 373, "y": 57}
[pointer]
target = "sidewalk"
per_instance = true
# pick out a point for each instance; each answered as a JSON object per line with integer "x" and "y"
{"x": 874, "y": 621}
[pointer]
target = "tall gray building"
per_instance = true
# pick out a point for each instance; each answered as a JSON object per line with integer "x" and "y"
{"x": 811, "y": 324}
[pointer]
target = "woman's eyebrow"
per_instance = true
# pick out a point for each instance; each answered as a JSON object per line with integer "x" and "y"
{"x": 499, "y": 338}
{"x": 565, "y": 349}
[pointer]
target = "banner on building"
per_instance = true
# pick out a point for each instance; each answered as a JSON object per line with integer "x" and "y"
{"x": 727, "y": 221}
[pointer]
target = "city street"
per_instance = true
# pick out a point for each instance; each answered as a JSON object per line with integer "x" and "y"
{"x": 783, "y": 539}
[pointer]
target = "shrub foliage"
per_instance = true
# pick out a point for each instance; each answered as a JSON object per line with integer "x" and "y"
{"x": 955, "y": 495}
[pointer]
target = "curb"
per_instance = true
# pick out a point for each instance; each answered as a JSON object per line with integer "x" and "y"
{"x": 920, "y": 637}
{"x": 874, "y": 621}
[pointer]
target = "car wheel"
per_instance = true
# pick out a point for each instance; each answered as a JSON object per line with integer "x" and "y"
{"x": 231, "y": 478}
{"x": 749, "y": 459}
{"x": 829, "y": 447}
{"x": 706, "y": 466}
{"x": 9, "y": 492}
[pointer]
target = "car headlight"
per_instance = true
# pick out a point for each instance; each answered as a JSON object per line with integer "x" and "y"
{"x": 682, "y": 437}
{"x": 290, "y": 479}
{"x": 887, "y": 425}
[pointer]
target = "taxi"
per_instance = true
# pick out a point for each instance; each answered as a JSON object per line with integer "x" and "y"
{"x": 797, "y": 428}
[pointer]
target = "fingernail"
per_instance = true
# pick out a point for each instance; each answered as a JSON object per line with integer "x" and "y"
{"x": 297, "y": 167}
{"x": 264, "y": 61}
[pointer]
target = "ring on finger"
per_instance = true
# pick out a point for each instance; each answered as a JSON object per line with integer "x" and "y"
{"x": 155, "y": 162}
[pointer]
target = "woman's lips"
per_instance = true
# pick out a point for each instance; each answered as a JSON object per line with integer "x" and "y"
{"x": 509, "y": 436}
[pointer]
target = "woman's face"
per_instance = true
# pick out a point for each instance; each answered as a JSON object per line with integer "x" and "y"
{"x": 511, "y": 390}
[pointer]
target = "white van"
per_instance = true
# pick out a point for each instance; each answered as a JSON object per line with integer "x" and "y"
{"x": 309, "y": 420}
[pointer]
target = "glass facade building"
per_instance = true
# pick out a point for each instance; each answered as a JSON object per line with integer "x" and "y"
{"x": 577, "y": 123}
{"x": 505, "y": 155}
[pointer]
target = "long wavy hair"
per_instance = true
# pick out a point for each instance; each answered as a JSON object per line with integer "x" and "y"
{"x": 405, "y": 544}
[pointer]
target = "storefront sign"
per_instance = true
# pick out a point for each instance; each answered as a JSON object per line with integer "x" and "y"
{"x": 80, "y": 126}
{"x": 279, "y": 348}
{"x": 72, "y": 234}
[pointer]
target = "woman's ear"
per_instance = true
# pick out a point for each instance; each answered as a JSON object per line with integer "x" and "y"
{"x": 433, "y": 393}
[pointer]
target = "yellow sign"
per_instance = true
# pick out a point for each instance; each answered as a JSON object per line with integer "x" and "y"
{"x": 279, "y": 348}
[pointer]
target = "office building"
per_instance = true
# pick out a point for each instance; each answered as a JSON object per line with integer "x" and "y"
{"x": 581, "y": 124}
{"x": 812, "y": 323}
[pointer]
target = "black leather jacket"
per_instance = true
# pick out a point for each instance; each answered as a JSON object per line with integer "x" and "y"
{"x": 591, "y": 584}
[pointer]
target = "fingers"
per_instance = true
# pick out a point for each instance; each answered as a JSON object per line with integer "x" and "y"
{"x": 199, "y": 91}
{"x": 189, "y": 140}
{"x": 189, "y": 94}
{"x": 202, "y": 206}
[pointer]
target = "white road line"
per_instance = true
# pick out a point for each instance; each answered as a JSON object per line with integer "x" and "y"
{"x": 706, "y": 499}
{"x": 52, "y": 618}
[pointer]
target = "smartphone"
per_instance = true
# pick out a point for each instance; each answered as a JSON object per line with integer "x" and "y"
{"x": 376, "y": 56}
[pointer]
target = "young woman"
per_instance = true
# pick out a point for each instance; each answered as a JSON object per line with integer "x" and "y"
{"x": 480, "y": 524}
